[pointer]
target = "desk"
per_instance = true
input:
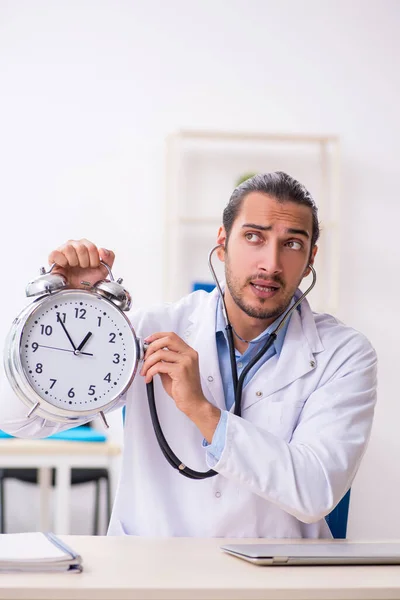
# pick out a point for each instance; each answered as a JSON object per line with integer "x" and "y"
{"x": 62, "y": 456}
{"x": 121, "y": 568}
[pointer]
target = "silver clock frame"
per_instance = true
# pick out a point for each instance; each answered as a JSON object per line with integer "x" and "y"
{"x": 18, "y": 379}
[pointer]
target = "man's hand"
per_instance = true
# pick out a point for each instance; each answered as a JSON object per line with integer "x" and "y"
{"x": 79, "y": 260}
{"x": 178, "y": 366}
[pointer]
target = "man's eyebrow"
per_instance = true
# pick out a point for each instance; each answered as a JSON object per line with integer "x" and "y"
{"x": 269, "y": 228}
{"x": 299, "y": 232}
{"x": 259, "y": 227}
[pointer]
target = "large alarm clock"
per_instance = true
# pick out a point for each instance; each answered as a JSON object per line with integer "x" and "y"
{"x": 72, "y": 353}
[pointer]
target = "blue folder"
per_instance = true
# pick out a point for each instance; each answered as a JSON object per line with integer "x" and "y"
{"x": 84, "y": 433}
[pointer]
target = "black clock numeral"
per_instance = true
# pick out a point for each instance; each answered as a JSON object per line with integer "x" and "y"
{"x": 61, "y": 317}
{"x": 46, "y": 329}
{"x": 39, "y": 368}
{"x": 99, "y": 321}
{"x": 92, "y": 390}
{"x": 112, "y": 338}
{"x": 116, "y": 361}
{"x": 108, "y": 377}
{"x": 53, "y": 383}
{"x": 35, "y": 346}
{"x": 80, "y": 313}
{"x": 71, "y": 393}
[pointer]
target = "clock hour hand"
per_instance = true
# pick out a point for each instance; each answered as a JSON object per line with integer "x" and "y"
{"x": 66, "y": 332}
{"x": 83, "y": 342}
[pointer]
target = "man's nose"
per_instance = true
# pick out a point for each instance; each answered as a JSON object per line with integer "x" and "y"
{"x": 270, "y": 259}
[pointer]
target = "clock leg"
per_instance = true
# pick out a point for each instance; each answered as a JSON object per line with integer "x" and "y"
{"x": 103, "y": 418}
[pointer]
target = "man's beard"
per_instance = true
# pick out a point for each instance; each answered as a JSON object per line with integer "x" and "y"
{"x": 260, "y": 312}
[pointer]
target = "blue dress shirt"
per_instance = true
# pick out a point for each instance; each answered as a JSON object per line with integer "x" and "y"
{"x": 242, "y": 360}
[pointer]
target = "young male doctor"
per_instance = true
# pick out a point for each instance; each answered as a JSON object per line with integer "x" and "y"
{"x": 307, "y": 405}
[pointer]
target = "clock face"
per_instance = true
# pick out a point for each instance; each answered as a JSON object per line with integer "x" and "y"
{"x": 78, "y": 351}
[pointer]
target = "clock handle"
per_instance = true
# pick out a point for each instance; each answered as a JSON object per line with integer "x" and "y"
{"x": 43, "y": 270}
{"x": 108, "y": 269}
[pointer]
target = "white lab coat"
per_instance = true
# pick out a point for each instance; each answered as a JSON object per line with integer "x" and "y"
{"x": 306, "y": 421}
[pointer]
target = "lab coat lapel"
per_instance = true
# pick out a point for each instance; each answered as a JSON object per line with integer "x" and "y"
{"x": 297, "y": 358}
{"x": 200, "y": 335}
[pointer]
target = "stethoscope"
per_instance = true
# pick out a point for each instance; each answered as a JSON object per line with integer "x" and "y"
{"x": 237, "y": 382}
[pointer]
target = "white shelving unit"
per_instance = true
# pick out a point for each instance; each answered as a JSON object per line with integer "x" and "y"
{"x": 202, "y": 170}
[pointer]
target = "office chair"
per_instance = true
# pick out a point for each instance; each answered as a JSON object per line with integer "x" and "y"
{"x": 337, "y": 519}
{"x": 78, "y": 476}
{"x": 202, "y": 285}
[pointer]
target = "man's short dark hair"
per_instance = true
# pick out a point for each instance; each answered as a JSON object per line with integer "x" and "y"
{"x": 279, "y": 186}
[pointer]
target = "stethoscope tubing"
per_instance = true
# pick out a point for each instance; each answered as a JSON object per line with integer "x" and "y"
{"x": 165, "y": 448}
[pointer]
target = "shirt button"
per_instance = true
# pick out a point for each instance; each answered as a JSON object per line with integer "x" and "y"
{"x": 218, "y": 494}
{"x": 258, "y": 393}
{"x": 312, "y": 364}
{"x": 240, "y": 365}
{"x": 210, "y": 378}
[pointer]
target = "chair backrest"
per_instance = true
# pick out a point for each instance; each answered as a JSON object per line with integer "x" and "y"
{"x": 202, "y": 285}
{"x": 337, "y": 519}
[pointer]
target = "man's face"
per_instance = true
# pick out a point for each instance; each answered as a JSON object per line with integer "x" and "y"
{"x": 267, "y": 255}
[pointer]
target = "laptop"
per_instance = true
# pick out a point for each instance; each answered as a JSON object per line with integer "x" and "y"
{"x": 318, "y": 553}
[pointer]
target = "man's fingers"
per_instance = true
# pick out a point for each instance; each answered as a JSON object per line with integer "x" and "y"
{"x": 165, "y": 340}
{"x": 58, "y": 257}
{"x": 89, "y": 252}
{"x": 161, "y": 334}
{"x": 157, "y": 345}
{"x": 81, "y": 253}
{"x": 107, "y": 256}
{"x": 160, "y": 368}
{"x": 65, "y": 256}
{"x": 161, "y": 355}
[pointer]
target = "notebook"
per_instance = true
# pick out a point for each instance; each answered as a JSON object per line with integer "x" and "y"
{"x": 36, "y": 552}
{"x": 319, "y": 553}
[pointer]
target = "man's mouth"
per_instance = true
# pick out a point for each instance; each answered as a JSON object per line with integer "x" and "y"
{"x": 265, "y": 289}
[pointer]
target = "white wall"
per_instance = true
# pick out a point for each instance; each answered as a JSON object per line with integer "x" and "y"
{"x": 90, "y": 89}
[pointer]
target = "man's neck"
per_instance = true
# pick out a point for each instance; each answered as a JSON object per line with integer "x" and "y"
{"x": 248, "y": 328}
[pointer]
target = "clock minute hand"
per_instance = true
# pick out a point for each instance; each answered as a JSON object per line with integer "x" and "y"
{"x": 66, "y": 332}
{"x": 83, "y": 342}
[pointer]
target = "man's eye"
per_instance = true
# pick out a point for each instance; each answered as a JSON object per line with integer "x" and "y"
{"x": 252, "y": 237}
{"x": 294, "y": 245}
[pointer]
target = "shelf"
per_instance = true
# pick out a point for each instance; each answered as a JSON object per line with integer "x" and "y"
{"x": 202, "y": 170}
{"x": 254, "y": 137}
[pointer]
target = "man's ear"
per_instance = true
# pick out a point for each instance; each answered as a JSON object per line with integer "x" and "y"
{"x": 311, "y": 261}
{"x": 221, "y": 240}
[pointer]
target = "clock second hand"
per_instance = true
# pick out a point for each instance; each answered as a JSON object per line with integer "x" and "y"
{"x": 63, "y": 349}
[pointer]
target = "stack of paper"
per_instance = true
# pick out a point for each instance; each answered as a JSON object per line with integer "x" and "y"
{"x": 36, "y": 552}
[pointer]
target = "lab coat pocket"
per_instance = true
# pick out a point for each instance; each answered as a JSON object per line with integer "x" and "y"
{"x": 278, "y": 414}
